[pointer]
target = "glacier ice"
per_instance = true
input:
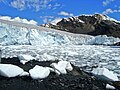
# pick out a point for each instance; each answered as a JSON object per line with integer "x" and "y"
{"x": 20, "y": 34}
{"x": 48, "y": 44}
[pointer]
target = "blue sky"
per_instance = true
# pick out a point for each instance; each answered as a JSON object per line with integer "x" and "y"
{"x": 44, "y": 11}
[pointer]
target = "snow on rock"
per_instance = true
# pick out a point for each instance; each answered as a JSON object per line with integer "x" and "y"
{"x": 9, "y": 70}
{"x": 39, "y": 72}
{"x": 24, "y": 74}
{"x": 110, "y": 87}
{"x": 55, "y": 21}
{"x": 25, "y": 58}
{"x": 105, "y": 74}
{"x": 62, "y": 66}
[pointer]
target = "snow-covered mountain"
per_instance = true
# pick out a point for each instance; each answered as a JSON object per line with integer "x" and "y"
{"x": 97, "y": 24}
{"x": 16, "y": 33}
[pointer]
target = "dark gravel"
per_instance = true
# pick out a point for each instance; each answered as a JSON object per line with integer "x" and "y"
{"x": 75, "y": 80}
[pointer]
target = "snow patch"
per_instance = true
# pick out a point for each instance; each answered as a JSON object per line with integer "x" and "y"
{"x": 54, "y": 22}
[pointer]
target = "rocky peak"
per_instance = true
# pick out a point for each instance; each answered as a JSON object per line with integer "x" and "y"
{"x": 97, "y": 24}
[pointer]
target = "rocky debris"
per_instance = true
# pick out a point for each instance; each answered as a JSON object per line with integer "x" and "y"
{"x": 74, "y": 80}
{"x": 9, "y": 70}
{"x": 97, "y": 24}
{"x": 116, "y": 84}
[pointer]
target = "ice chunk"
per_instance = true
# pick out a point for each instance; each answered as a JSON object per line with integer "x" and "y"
{"x": 25, "y": 58}
{"x": 9, "y": 70}
{"x": 110, "y": 87}
{"x": 51, "y": 69}
{"x": 118, "y": 63}
{"x": 23, "y": 61}
{"x": 24, "y": 74}
{"x": 105, "y": 74}
{"x": 65, "y": 65}
{"x": 59, "y": 68}
{"x": 39, "y": 72}
{"x": 62, "y": 66}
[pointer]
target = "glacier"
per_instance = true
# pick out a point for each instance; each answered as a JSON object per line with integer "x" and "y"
{"x": 14, "y": 33}
{"x": 49, "y": 44}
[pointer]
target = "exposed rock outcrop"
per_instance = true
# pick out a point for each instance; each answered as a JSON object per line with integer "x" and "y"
{"x": 97, "y": 24}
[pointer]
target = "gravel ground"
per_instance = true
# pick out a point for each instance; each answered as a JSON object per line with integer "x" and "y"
{"x": 70, "y": 81}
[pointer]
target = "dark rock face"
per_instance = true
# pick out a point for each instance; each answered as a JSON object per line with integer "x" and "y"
{"x": 97, "y": 24}
{"x": 76, "y": 80}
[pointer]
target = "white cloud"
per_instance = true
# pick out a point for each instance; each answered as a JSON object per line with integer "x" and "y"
{"x": 105, "y": 3}
{"x": 63, "y": 13}
{"x": 18, "y": 19}
{"x": 107, "y": 11}
{"x": 33, "y": 4}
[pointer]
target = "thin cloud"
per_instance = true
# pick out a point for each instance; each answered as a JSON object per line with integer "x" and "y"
{"x": 2, "y": 0}
{"x": 50, "y": 19}
{"x": 47, "y": 19}
{"x": 107, "y": 11}
{"x": 63, "y": 13}
{"x": 105, "y": 3}
{"x": 19, "y": 4}
{"x": 33, "y": 4}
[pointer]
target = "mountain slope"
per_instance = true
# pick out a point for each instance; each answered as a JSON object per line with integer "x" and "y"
{"x": 97, "y": 24}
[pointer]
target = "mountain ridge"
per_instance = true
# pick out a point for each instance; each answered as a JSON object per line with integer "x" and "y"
{"x": 97, "y": 24}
